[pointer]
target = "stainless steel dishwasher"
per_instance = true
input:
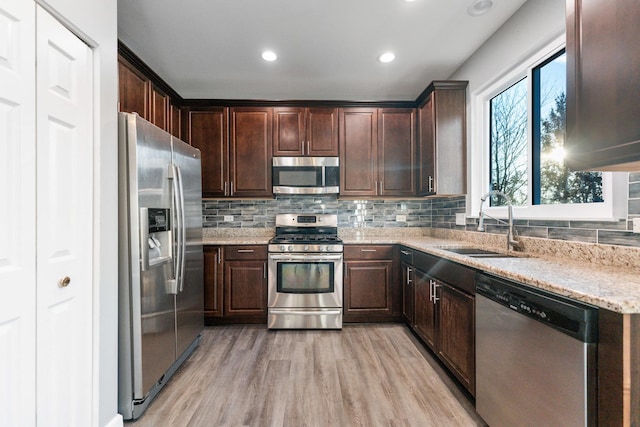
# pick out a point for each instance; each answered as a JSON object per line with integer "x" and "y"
{"x": 535, "y": 356}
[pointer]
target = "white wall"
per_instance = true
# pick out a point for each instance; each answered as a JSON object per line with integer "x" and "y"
{"x": 534, "y": 25}
{"x": 95, "y": 21}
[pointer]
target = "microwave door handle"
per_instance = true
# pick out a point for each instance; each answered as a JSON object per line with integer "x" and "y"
{"x": 324, "y": 182}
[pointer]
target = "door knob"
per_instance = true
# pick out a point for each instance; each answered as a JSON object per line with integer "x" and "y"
{"x": 64, "y": 282}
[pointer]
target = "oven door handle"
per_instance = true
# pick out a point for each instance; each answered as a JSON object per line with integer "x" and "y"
{"x": 304, "y": 257}
{"x": 311, "y": 312}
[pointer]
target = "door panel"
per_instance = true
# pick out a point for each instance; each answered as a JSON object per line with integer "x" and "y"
{"x": 152, "y": 300}
{"x": 17, "y": 234}
{"x": 189, "y": 301}
{"x": 64, "y": 228}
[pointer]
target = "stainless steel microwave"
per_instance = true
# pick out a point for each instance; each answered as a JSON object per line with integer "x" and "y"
{"x": 306, "y": 175}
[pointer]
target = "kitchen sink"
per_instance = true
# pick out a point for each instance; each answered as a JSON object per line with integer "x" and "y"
{"x": 478, "y": 253}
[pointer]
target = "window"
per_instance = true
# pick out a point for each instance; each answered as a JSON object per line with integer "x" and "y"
{"x": 519, "y": 135}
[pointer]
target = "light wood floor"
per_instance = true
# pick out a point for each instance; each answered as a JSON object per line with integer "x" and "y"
{"x": 364, "y": 375}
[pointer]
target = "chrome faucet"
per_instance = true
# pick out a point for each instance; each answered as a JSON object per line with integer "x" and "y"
{"x": 512, "y": 240}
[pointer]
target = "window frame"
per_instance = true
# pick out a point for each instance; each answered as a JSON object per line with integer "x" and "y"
{"x": 614, "y": 184}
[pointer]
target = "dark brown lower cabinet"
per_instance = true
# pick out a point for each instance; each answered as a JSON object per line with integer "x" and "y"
{"x": 408, "y": 292}
{"x": 456, "y": 333}
{"x": 444, "y": 315}
{"x": 370, "y": 289}
{"x": 425, "y": 310}
{"x": 213, "y": 276}
{"x": 235, "y": 284}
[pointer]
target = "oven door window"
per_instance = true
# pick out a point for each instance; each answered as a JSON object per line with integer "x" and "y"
{"x": 305, "y": 277}
{"x": 297, "y": 176}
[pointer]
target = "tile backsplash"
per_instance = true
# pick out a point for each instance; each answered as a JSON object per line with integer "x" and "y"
{"x": 351, "y": 213}
{"x": 427, "y": 213}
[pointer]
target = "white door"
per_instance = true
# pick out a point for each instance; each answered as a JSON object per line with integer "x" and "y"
{"x": 64, "y": 153}
{"x": 17, "y": 213}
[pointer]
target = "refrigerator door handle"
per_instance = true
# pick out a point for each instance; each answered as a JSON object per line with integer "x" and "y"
{"x": 183, "y": 235}
{"x": 144, "y": 238}
{"x": 177, "y": 260}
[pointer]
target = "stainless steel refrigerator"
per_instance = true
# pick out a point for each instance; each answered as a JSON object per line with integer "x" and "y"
{"x": 160, "y": 275}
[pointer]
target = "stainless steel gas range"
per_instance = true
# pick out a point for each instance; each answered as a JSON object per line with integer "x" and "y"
{"x": 305, "y": 273}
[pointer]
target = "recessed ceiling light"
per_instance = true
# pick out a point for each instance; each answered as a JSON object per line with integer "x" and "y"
{"x": 386, "y": 57}
{"x": 269, "y": 55}
{"x": 479, "y": 7}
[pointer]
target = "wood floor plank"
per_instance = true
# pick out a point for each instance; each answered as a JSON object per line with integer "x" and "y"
{"x": 363, "y": 375}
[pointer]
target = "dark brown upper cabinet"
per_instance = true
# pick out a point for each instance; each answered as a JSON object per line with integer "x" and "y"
{"x": 160, "y": 109}
{"x": 377, "y": 151}
{"x": 603, "y": 85}
{"x": 207, "y": 130}
{"x": 358, "y": 151}
{"x": 134, "y": 89}
{"x": 442, "y": 140}
{"x": 305, "y": 131}
{"x": 250, "y": 144}
{"x": 396, "y": 151}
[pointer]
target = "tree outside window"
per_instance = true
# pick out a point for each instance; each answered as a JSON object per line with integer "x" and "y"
{"x": 510, "y": 156}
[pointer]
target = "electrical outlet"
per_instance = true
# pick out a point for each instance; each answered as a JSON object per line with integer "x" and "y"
{"x": 228, "y": 218}
{"x": 401, "y": 218}
{"x": 461, "y": 219}
{"x": 636, "y": 225}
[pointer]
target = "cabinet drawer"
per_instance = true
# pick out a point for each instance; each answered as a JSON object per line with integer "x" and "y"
{"x": 245, "y": 252}
{"x": 368, "y": 252}
{"x": 449, "y": 272}
{"x": 406, "y": 255}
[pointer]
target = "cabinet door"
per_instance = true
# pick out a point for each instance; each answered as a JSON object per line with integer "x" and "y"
{"x": 175, "y": 121}
{"x": 207, "y": 131}
{"x": 250, "y": 153}
{"x": 213, "y": 274}
{"x": 425, "y": 308}
{"x": 134, "y": 90}
{"x": 603, "y": 82}
{"x": 159, "y": 109}
{"x": 322, "y": 132}
{"x": 456, "y": 336}
{"x": 442, "y": 143}
{"x": 368, "y": 287}
{"x": 396, "y": 151}
{"x": 426, "y": 149}
{"x": 408, "y": 291}
{"x": 288, "y": 131}
{"x": 358, "y": 152}
{"x": 245, "y": 288}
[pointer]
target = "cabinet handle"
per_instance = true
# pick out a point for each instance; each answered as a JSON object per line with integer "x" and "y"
{"x": 225, "y": 188}
{"x": 264, "y": 269}
{"x": 368, "y": 250}
{"x": 409, "y": 281}
{"x": 434, "y": 295}
{"x": 381, "y": 183}
{"x": 219, "y": 256}
{"x": 302, "y": 143}
{"x": 215, "y": 271}
{"x": 405, "y": 252}
{"x": 377, "y": 188}
{"x": 308, "y": 148}
{"x": 231, "y": 192}
{"x": 245, "y": 251}
{"x": 430, "y": 183}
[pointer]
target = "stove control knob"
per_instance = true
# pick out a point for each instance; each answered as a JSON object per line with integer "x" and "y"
{"x": 306, "y": 248}
{"x": 290, "y": 248}
{"x": 283, "y": 248}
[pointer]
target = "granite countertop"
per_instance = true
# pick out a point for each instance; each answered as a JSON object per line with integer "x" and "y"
{"x": 616, "y": 288}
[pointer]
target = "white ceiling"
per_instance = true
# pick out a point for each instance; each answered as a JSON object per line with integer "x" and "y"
{"x": 327, "y": 49}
